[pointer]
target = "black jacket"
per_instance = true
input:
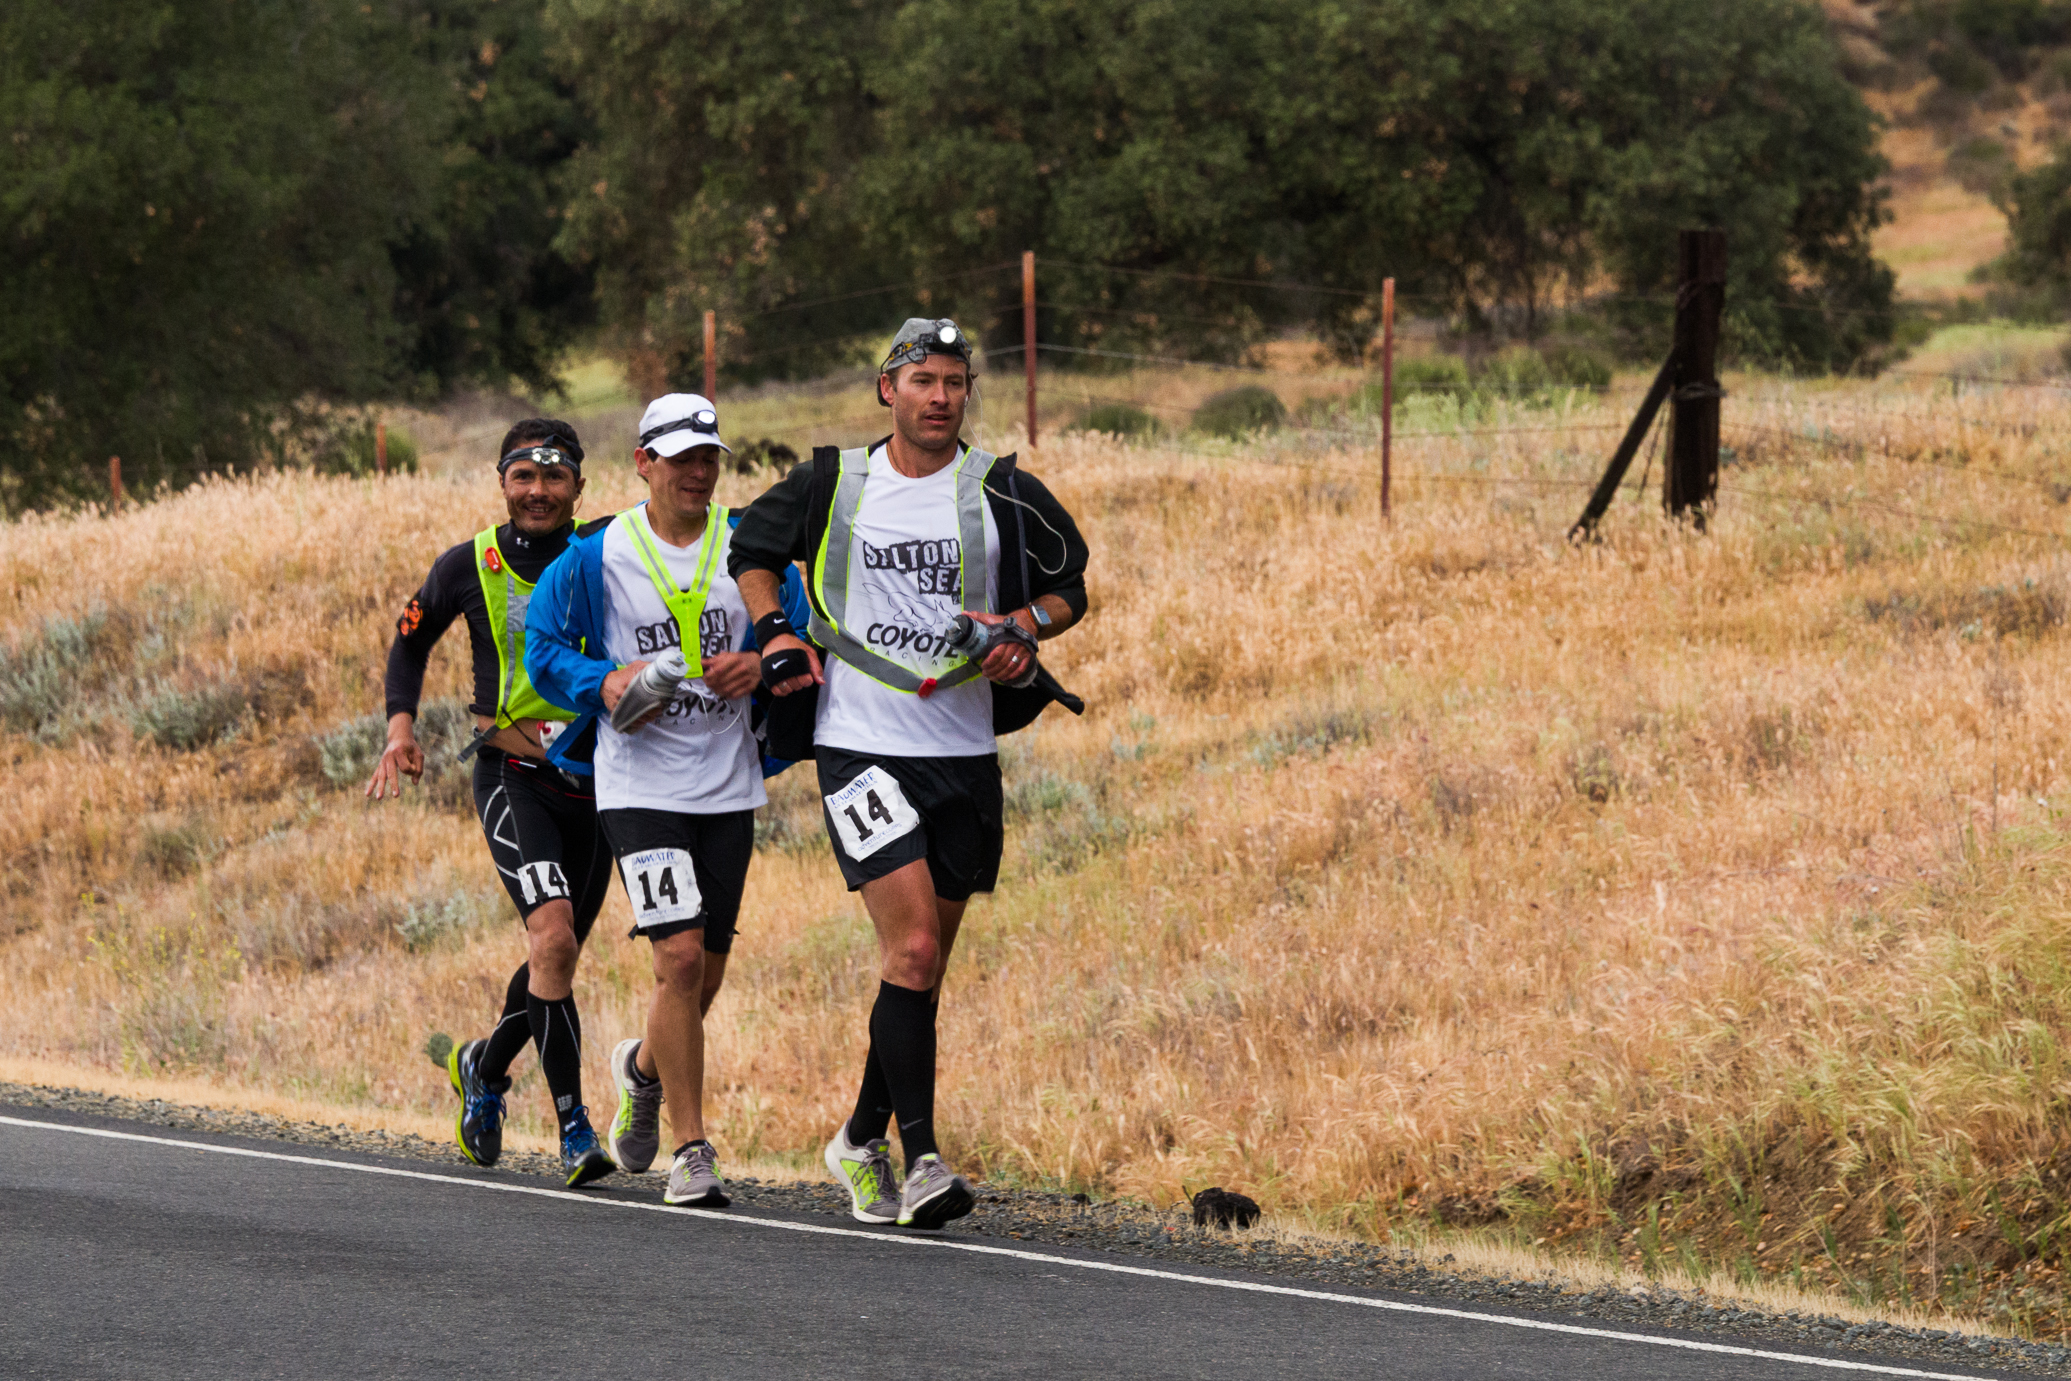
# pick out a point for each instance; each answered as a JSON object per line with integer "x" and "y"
{"x": 1041, "y": 553}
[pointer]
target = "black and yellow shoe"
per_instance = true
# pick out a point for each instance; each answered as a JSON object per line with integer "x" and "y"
{"x": 479, "y": 1128}
{"x": 582, "y": 1159}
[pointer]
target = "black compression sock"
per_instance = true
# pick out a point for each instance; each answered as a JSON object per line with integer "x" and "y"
{"x": 557, "y": 1031}
{"x": 873, "y": 1114}
{"x": 902, "y": 1032}
{"x": 512, "y": 1031}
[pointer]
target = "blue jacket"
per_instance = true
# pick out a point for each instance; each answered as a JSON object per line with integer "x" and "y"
{"x": 564, "y": 643}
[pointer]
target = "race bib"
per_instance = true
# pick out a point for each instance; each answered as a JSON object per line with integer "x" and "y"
{"x": 869, "y": 813}
{"x": 542, "y": 882}
{"x": 662, "y": 886}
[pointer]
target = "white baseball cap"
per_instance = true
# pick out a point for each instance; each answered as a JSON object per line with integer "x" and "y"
{"x": 675, "y": 422}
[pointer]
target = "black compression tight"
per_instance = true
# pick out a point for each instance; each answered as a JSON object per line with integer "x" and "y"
{"x": 557, "y": 1031}
{"x": 512, "y": 1031}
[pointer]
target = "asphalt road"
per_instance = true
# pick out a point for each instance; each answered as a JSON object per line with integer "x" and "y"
{"x": 130, "y": 1254}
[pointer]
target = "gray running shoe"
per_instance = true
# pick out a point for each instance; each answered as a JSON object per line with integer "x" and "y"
{"x": 636, "y": 1131}
{"x": 866, "y": 1171}
{"x": 933, "y": 1195}
{"x": 694, "y": 1179}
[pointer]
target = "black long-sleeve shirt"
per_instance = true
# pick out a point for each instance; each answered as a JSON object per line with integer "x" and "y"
{"x": 453, "y": 589}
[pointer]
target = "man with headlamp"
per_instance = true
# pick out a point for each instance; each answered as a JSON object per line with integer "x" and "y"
{"x": 531, "y": 785}
{"x": 900, "y": 539}
{"x": 640, "y": 625}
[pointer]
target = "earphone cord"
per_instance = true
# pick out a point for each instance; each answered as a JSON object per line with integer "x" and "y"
{"x": 1061, "y": 544}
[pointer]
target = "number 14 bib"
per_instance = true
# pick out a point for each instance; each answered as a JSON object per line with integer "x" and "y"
{"x": 869, "y": 813}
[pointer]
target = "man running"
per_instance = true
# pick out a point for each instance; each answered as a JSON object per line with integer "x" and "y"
{"x": 900, "y": 538}
{"x": 678, "y": 785}
{"x": 531, "y": 783}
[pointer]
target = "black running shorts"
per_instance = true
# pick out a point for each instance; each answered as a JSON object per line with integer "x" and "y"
{"x": 883, "y": 813}
{"x": 541, "y": 824}
{"x": 682, "y": 871}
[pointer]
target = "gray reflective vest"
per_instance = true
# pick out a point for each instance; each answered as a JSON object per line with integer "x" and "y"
{"x": 831, "y": 564}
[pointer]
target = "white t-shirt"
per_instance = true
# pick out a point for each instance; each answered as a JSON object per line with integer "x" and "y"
{"x": 905, "y": 586}
{"x": 700, "y": 757}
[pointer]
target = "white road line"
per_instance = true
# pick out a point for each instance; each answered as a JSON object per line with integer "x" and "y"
{"x": 950, "y": 1244}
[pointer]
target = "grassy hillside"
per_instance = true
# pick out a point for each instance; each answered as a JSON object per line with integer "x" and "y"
{"x": 1683, "y": 901}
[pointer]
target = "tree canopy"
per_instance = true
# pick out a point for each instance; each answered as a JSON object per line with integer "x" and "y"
{"x": 1492, "y": 155}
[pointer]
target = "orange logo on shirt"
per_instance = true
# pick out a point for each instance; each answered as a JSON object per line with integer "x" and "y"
{"x": 493, "y": 561}
{"x": 413, "y": 614}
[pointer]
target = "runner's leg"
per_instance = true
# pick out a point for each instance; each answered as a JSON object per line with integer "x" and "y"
{"x": 675, "y": 1039}
{"x": 513, "y": 1029}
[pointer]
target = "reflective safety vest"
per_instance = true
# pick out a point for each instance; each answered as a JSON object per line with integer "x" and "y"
{"x": 687, "y": 607}
{"x": 830, "y": 573}
{"x": 507, "y": 598}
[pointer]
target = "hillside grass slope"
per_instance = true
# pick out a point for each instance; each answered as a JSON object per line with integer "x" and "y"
{"x": 1689, "y": 900}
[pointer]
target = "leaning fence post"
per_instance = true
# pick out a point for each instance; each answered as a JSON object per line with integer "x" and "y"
{"x": 381, "y": 448}
{"x": 1692, "y": 481}
{"x": 1387, "y": 389}
{"x": 712, "y": 356}
{"x": 114, "y": 484}
{"x": 1028, "y": 333}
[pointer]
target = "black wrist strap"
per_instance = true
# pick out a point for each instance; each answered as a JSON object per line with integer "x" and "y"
{"x": 772, "y": 626}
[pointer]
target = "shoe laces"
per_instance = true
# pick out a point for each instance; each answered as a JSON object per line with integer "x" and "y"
{"x": 878, "y": 1165}
{"x": 578, "y": 1139}
{"x": 488, "y": 1110}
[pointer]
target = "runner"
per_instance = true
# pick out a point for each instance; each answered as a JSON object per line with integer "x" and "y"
{"x": 900, "y": 537}
{"x": 677, "y": 787}
{"x": 531, "y": 783}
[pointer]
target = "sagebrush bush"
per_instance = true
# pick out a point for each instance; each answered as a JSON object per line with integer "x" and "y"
{"x": 1241, "y": 412}
{"x": 1116, "y": 419}
{"x": 186, "y": 717}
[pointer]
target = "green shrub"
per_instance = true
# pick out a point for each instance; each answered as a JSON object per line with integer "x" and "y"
{"x": 1116, "y": 419}
{"x": 428, "y": 921}
{"x": 349, "y": 450}
{"x": 185, "y": 719}
{"x": 751, "y": 456}
{"x": 1519, "y": 373}
{"x": 1239, "y": 412}
{"x": 41, "y": 677}
{"x": 1442, "y": 376}
{"x": 1577, "y": 366}
{"x": 347, "y": 754}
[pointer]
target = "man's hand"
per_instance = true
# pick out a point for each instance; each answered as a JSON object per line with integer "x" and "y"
{"x": 614, "y": 690}
{"x": 731, "y": 675}
{"x": 1009, "y": 662}
{"x": 401, "y": 758}
{"x": 812, "y": 676}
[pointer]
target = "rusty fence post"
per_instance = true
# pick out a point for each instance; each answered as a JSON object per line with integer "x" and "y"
{"x": 712, "y": 356}
{"x": 1028, "y": 337}
{"x": 1387, "y": 392}
{"x": 114, "y": 484}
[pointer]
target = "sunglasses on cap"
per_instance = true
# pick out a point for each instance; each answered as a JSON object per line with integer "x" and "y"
{"x": 704, "y": 421}
{"x": 945, "y": 339}
{"x": 539, "y": 455}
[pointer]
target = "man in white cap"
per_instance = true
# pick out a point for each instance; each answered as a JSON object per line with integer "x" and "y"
{"x": 641, "y": 624}
{"x": 902, "y": 538}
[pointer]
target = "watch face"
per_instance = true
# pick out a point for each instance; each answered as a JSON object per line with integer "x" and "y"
{"x": 1040, "y": 615}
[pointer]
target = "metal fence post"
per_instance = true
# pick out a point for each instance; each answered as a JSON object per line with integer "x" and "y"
{"x": 1028, "y": 337}
{"x": 712, "y": 356}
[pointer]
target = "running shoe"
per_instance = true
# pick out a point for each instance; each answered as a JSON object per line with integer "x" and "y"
{"x": 867, "y": 1171}
{"x": 581, "y": 1157}
{"x": 636, "y": 1132}
{"x": 479, "y": 1128}
{"x": 694, "y": 1178}
{"x": 933, "y": 1195}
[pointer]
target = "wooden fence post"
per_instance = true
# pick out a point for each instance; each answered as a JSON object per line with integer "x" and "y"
{"x": 1387, "y": 389}
{"x": 1028, "y": 337}
{"x": 114, "y": 484}
{"x": 712, "y": 356}
{"x": 381, "y": 448}
{"x": 1692, "y": 480}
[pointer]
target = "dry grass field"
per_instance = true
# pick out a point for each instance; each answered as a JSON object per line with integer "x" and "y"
{"x": 1689, "y": 901}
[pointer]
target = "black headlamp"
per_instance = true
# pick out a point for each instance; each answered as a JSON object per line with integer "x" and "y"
{"x": 945, "y": 338}
{"x": 704, "y": 420}
{"x": 539, "y": 455}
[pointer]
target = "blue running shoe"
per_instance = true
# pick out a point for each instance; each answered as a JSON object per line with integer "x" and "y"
{"x": 479, "y": 1129}
{"x": 581, "y": 1157}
